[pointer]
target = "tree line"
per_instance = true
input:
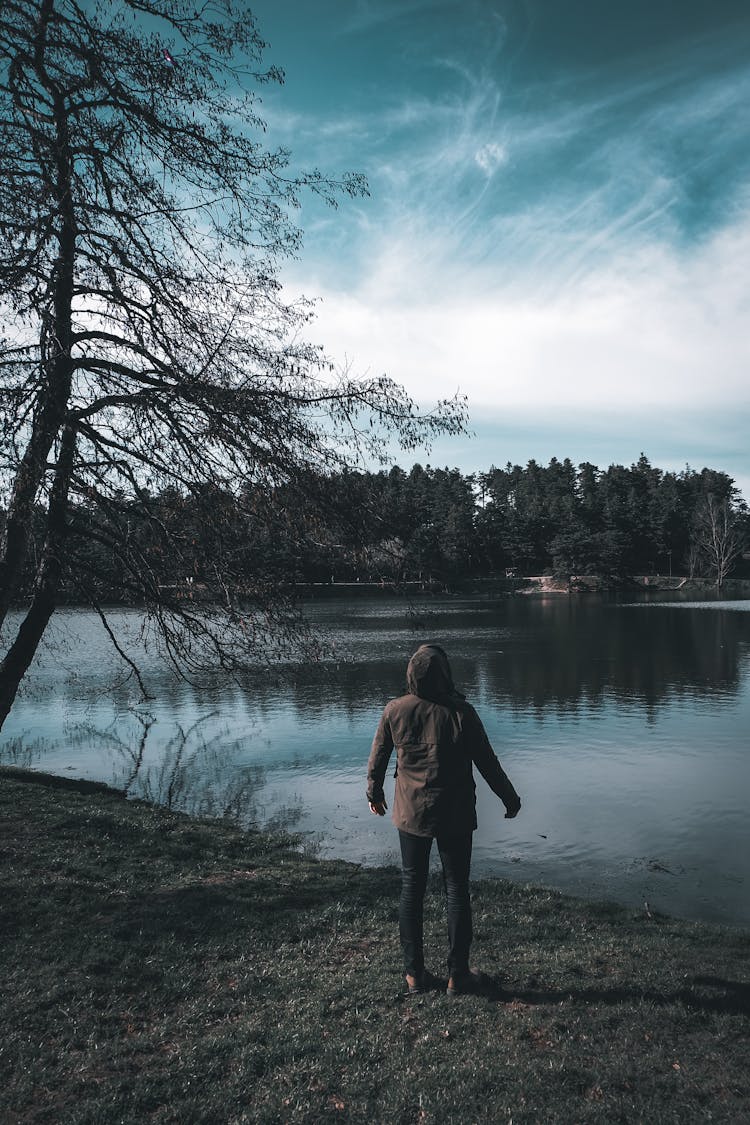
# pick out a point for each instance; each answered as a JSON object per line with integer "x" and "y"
{"x": 431, "y": 525}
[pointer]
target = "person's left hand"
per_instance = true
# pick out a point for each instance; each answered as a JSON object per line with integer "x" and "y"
{"x": 377, "y": 808}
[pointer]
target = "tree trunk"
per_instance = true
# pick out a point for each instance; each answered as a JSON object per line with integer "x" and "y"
{"x": 30, "y": 632}
{"x": 55, "y": 345}
{"x": 26, "y": 486}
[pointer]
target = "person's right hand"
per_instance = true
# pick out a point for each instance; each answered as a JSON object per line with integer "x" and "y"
{"x": 512, "y": 811}
{"x": 378, "y": 807}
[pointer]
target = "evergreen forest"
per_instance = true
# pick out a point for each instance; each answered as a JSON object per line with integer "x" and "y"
{"x": 430, "y": 525}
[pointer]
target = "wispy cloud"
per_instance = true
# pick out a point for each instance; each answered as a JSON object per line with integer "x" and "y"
{"x": 564, "y": 182}
{"x": 569, "y": 249}
{"x": 490, "y": 157}
{"x": 370, "y": 14}
{"x": 659, "y": 335}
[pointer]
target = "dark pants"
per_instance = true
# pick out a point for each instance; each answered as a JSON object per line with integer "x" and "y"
{"x": 455, "y": 856}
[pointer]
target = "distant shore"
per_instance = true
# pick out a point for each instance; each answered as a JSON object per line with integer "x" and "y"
{"x": 541, "y": 584}
{"x": 531, "y": 585}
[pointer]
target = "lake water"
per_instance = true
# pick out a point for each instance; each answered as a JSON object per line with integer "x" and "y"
{"x": 623, "y": 725}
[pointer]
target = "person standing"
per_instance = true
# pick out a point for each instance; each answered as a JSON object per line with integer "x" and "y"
{"x": 438, "y": 737}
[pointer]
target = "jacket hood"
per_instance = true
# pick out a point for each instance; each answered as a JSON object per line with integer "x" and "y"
{"x": 428, "y": 675}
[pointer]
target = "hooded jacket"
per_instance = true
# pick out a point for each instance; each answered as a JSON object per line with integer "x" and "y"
{"x": 438, "y": 736}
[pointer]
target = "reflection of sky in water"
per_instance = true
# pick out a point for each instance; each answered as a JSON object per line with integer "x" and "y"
{"x": 624, "y": 731}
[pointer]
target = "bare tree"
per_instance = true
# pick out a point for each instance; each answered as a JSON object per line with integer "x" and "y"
{"x": 694, "y": 559}
{"x": 717, "y": 535}
{"x": 146, "y": 343}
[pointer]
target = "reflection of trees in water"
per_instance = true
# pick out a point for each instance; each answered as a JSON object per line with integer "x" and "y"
{"x": 632, "y": 654}
{"x": 22, "y": 752}
{"x": 189, "y": 772}
{"x": 570, "y": 653}
{"x": 200, "y": 775}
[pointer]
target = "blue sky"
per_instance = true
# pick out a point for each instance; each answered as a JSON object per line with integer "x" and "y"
{"x": 559, "y": 219}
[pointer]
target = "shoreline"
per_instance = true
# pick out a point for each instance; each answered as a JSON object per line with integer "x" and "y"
{"x": 530, "y": 586}
{"x": 483, "y": 870}
{"x": 159, "y": 967}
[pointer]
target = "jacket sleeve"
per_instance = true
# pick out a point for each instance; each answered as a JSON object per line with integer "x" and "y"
{"x": 485, "y": 759}
{"x": 382, "y": 748}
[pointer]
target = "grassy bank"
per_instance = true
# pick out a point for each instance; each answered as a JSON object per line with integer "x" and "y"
{"x": 160, "y": 969}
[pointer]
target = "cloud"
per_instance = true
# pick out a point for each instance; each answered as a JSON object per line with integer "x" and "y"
{"x": 656, "y": 327}
{"x": 368, "y": 15}
{"x": 655, "y": 342}
{"x": 584, "y": 172}
{"x": 490, "y": 157}
{"x": 570, "y": 249}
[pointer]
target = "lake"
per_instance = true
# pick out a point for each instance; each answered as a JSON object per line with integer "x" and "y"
{"x": 622, "y": 723}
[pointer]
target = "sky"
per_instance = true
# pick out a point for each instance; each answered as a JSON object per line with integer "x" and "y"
{"x": 558, "y": 223}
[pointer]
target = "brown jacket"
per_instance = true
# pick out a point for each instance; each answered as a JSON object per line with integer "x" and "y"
{"x": 438, "y": 736}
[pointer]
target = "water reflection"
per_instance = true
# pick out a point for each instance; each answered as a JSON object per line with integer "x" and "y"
{"x": 622, "y": 724}
{"x": 183, "y": 770}
{"x": 583, "y": 654}
{"x": 566, "y": 655}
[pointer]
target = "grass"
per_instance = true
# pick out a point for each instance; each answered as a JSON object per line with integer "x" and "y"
{"x": 162, "y": 969}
